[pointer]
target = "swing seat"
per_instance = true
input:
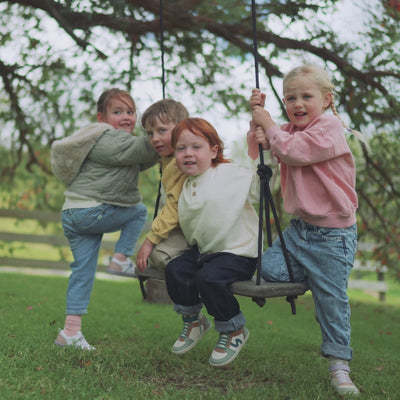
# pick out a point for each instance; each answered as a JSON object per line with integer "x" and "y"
{"x": 268, "y": 289}
{"x": 242, "y": 288}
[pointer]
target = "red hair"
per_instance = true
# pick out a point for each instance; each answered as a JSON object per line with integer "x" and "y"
{"x": 201, "y": 127}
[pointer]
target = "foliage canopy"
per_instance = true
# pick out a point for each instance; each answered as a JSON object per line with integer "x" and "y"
{"x": 55, "y": 55}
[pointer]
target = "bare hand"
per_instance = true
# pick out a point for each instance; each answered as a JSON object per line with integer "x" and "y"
{"x": 260, "y": 116}
{"x": 262, "y": 139}
{"x": 143, "y": 254}
{"x": 257, "y": 99}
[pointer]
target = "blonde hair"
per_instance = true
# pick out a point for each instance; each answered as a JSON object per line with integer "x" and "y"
{"x": 114, "y": 93}
{"x": 167, "y": 110}
{"x": 321, "y": 78}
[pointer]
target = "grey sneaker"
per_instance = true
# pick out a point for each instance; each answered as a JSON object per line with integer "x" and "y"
{"x": 78, "y": 341}
{"x": 340, "y": 379}
{"x": 194, "y": 328}
{"x": 126, "y": 268}
{"x": 228, "y": 347}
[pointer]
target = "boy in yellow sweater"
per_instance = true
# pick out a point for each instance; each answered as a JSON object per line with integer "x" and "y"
{"x": 165, "y": 241}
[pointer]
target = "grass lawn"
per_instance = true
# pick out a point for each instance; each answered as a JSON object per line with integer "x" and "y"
{"x": 281, "y": 359}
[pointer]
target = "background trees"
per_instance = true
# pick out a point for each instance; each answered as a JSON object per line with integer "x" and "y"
{"x": 57, "y": 56}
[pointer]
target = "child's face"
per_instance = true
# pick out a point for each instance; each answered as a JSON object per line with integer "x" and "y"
{"x": 304, "y": 101}
{"x": 119, "y": 115}
{"x": 160, "y": 137}
{"x": 193, "y": 153}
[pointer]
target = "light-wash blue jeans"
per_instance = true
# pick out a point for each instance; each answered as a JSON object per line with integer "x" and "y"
{"x": 322, "y": 258}
{"x": 84, "y": 229}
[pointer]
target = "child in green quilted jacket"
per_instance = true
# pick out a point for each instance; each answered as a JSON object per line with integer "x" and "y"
{"x": 100, "y": 166}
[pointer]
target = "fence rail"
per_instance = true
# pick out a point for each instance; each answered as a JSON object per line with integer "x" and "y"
{"x": 357, "y": 281}
{"x": 57, "y": 240}
{"x": 45, "y": 220}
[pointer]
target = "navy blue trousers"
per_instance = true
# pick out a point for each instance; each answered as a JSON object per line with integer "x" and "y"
{"x": 193, "y": 278}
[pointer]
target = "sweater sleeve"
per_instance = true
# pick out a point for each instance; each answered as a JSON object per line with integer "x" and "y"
{"x": 120, "y": 148}
{"x": 68, "y": 154}
{"x": 167, "y": 219}
{"x": 322, "y": 140}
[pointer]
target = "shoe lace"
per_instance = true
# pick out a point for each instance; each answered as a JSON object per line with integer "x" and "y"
{"x": 185, "y": 330}
{"x": 82, "y": 343}
{"x": 341, "y": 377}
{"x": 223, "y": 341}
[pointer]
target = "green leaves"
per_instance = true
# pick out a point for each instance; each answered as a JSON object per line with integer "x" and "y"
{"x": 56, "y": 57}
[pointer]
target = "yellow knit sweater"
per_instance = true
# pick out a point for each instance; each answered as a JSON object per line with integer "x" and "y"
{"x": 167, "y": 219}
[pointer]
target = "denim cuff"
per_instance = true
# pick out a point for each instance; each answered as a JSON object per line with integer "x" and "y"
{"x": 188, "y": 310}
{"x": 234, "y": 324}
{"x": 337, "y": 351}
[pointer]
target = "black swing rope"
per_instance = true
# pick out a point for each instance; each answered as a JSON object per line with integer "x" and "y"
{"x": 266, "y": 199}
{"x": 264, "y": 172}
{"x": 157, "y": 205}
{"x": 162, "y": 46}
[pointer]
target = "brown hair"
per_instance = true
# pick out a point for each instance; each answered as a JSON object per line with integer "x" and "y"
{"x": 202, "y": 128}
{"x": 167, "y": 110}
{"x": 114, "y": 93}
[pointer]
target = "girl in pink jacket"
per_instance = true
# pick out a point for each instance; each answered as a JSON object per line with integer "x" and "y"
{"x": 318, "y": 187}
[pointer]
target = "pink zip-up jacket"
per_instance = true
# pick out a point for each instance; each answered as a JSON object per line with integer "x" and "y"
{"x": 317, "y": 172}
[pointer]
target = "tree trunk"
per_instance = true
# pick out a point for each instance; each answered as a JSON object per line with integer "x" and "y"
{"x": 156, "y": 292}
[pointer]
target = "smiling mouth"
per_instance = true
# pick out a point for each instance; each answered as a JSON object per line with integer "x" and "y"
{"x": 300, "y": 114}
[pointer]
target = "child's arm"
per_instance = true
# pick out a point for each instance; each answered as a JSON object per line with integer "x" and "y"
{"x": 255, "y": 135}
{"x": 162, "y": 225}
{"x": 261, "y": 117}
{"x": 144, "y": 253}
{"x": 167, "y": 218}
{"x": 260, "y": 138}
{"x": 119, "y": 148}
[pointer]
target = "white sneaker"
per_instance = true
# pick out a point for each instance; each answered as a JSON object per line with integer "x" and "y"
{"x": 78, "y": 341}
{"x": 122, "y": 268}
{"x": 340, "y": 379}
{"x": 228, "y": 347}
{"x": 194, "y": 328}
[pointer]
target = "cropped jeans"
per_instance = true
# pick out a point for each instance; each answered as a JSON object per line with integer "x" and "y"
{"x": 322, "y": 258}
{"x": 84, "y": 229}
{"x": 194, "y": 279}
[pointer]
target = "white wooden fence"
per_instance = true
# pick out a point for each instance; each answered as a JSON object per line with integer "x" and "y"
{"x": 362, "y": 268}
{"x": 58, "y": 240}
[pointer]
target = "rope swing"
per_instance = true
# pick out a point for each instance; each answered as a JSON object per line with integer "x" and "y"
{"x": 162, "y": 46}
{"x": 258, "y": 290}
{"x": 157, "y": 205}
{"x": 266, "y": 200}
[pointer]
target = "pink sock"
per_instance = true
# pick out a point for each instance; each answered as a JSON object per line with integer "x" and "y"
{"x": 73, "y": 324}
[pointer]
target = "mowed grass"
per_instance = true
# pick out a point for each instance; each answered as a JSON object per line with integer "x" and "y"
{"x": 281, "y": 359}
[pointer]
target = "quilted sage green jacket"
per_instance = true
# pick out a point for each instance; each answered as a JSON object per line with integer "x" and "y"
{"x": 102, "y": 164}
